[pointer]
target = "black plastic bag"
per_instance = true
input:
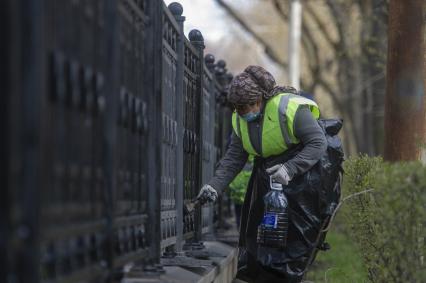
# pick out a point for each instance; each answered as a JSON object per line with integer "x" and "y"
{"x": 312, "y": 197}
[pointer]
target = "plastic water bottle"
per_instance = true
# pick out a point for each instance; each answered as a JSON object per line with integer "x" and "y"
{"x": 272, "y": 231}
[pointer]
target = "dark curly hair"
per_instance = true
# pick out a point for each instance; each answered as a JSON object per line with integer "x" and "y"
{"x": 253, "y": 83}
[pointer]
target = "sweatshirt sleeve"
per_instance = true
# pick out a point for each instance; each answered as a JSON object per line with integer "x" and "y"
{"x": 310, "y": 134}
{"x": 230, "y": 165}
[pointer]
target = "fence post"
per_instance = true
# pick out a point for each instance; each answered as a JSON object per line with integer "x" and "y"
{"x": 153, "y": 81}
{"x": 109, "y": 132}
{"x": 210, "y": 145}
{"x": 27, "y": 90}
{"x": 6, "y": 17}
{"x": 197, "y": 40}
{"x": 223, "y": 78}
{"x": 177, "y": 10}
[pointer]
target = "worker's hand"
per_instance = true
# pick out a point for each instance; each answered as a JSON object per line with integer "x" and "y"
{"x": 207, "y": 194}
{"x": 279, "y": 173}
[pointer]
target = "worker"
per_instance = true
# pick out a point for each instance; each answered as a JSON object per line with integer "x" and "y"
{"x": 281, "y": 130}
{"x": 238, "y": 188}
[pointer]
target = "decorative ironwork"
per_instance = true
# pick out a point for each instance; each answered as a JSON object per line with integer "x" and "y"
{"x": 96, "y": 126}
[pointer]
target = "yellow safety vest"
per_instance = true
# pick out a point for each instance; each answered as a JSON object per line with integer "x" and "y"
{"x": 277, "y": 127}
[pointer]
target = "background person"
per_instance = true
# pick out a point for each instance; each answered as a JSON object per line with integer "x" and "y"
{"x": 238, "y": 188}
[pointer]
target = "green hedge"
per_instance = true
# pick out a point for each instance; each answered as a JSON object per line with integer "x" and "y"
{"x": 388, "y": 224}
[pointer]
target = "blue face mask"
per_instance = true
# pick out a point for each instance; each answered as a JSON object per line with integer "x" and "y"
{"x": 250, "y": 117}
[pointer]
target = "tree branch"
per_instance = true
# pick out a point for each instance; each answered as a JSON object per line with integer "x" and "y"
{"x": 336, "y": 10}
{"x": 268, "y": 49}
{"x": 308, "y": 40}
{"x": 320, "y": 25}
{"x": 315, "y": 67}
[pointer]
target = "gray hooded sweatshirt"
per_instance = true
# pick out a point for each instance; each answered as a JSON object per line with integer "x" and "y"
{"x": 306, "y": 129}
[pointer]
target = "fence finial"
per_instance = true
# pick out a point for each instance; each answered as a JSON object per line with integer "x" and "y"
{"x": 209, "y": 60}
{"x": 196, "y": 38}
{"x": 176, "y": 9}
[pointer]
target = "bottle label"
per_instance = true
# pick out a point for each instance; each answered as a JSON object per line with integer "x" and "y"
{"x": 270, "y": 220}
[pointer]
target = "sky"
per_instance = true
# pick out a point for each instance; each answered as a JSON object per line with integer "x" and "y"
{"x": 207, "y": 16}
{"x": 222, "y": 33}
{"x": 204, "y": 15}
{"x": 226, "y": 40}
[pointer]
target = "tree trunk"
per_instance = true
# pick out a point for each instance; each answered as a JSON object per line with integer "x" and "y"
{"x": 405, "y": 101}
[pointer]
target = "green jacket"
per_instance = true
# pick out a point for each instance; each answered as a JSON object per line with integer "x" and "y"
{"x": 238, "y": 186}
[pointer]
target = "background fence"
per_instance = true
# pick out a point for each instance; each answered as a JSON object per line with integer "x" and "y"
{"x": 113, "y": 119}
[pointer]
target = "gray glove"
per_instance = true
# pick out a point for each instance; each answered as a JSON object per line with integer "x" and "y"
{"x": 279, "y": 173}
{"x": 207, "y": 194}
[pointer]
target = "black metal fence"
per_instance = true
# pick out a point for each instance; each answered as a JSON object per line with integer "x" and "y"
{"x": 113, "y": 120}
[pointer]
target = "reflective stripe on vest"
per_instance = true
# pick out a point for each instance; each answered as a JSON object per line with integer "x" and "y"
{"x": 241, "y": 130}
{"x": 278, "y": 124}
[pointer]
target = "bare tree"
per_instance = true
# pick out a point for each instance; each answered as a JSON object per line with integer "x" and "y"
{"x": 355, "y": 82}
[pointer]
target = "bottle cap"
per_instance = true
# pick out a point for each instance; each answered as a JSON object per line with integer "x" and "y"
{"x": 275, "y": 185}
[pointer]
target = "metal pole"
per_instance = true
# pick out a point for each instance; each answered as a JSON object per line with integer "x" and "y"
{"x": 405, "y": 101}
{"x": 295, "y": 32}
